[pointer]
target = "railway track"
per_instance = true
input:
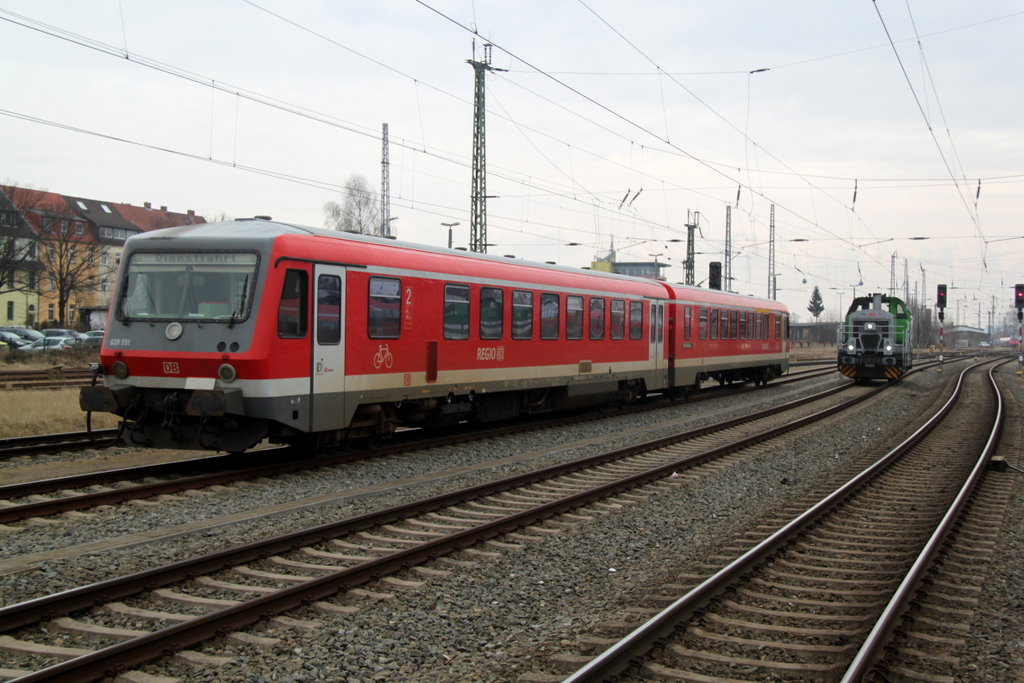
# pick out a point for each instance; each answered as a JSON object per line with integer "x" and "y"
{"x": 75, "y": 441}
{"x": 51, "y": 378}
{"x": 319, "y": 563}
{"x": 180, "y": 476}
{"x": 820, "y": 596}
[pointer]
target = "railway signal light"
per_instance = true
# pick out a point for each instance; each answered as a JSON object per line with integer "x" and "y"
{"x": 715, "y": 275}
{"x": 1018, "y": 296}
{"x": 940, "y": 300}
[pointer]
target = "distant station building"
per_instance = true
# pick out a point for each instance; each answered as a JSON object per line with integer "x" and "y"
{"x": 652, "y": 270}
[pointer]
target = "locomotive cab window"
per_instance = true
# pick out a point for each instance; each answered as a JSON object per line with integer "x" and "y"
{"x": 491, "y": 311}
{"x": 291, "y": 312}
{"x": 456, "y": 312}
{"x": 384, "y": 308}
{"x": 188, "y": 286}
{"x": 522, "y": 315}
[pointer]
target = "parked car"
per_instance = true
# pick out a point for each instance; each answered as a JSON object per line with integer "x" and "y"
{"x": 58, "y": 332}
{"x": 26, "y": 333}
{"x": 984, "y": 345}
{"x": 12, "y": 340}
{"x": 94, "y": 339}
{"x": 51, "y": 344}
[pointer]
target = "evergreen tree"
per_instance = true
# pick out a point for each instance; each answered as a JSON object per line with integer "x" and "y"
{"x": 815, "y": 308}
{"x": 816, "y": 305}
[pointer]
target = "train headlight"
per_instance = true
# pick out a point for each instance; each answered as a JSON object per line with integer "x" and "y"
{"x": 120, "y": 370}
{"x": 851, "y": 347}
{"x": 888, "y": 346}
{"x": 870, "y": 327}
{"x": 227, "y": 372}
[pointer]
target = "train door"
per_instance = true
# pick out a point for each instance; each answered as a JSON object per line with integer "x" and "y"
{"x": 328, "y": 348}
{"x": 657, "y": 344}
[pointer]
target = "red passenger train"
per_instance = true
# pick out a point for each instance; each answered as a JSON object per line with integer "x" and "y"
{"x": 221, "y": 335}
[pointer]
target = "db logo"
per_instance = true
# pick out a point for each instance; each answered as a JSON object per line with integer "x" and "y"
{"x": 171, "y": 369}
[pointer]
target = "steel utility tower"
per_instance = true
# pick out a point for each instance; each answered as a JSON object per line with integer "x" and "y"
{"x": 385, "y": 187}
{"x": 727, "y": 275}
{"x": 692, "y": 223}
{"x": 771, "y": 257}
{"x": 478, "y": 210}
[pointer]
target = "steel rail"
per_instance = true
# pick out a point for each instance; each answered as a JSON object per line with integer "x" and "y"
{"x": 87, "y": 500}
{"x": 874, "y": 647}
{"x": 634, "y": 648}
{"x": 120, "y": 657}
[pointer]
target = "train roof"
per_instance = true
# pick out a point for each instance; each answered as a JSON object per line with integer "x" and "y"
{"x": 265, "y": 232}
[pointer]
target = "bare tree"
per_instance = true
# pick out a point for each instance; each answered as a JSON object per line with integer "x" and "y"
{"x": 71, "y": 258}
{"x": 19, "y": 263}
{"x": 360, "y": 213}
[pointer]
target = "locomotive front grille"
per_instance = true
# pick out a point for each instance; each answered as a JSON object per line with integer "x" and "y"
{"x": 870, "y": 342}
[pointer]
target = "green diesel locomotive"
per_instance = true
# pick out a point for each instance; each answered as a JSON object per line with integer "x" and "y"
{"x": 876, "y": 340}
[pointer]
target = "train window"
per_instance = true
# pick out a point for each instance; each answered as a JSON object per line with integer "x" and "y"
{"x": 328, "y": 309}
{"x": 687, "y": 323}
{"x": 778, "y": 327}
{"x": 755, "y": 320}
{"x": 522, "y": 315}
{"x": 596, "y": 318}
{"x": 636, "y": 319}
{"x": 732, "y": 316}
{"x": 291, "y": 312}
{"x": 702, "y": 325}
{"x": 491, "y": 311}
{"x": 654, "y": 322}
{"x": 384, "y": 314}
{"x": 456, "y": 312}
{"x": 549, "y": 316}
{"x": 573, "y": 317}
{"x": 714, "y": 323}
{"x": 661, "y": 323}
{"x": 617, "y": 320}
{"x": 764, "y": 326}
{"x": 743, "y": 326}
{"x": 200, "y": 287}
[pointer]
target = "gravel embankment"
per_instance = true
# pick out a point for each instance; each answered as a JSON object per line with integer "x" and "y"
{"x": 506, "y": 616}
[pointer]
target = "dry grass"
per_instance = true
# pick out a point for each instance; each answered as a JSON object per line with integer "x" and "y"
{"x": 30, "y": 412}
{"x": 79, "y": 357}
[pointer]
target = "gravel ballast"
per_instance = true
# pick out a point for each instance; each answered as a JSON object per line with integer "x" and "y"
{"x": 505, "y": 616}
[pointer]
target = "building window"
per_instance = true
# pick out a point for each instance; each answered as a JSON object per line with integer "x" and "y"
{"x": 10, "y": 310}
{"x": 49, "y": 312}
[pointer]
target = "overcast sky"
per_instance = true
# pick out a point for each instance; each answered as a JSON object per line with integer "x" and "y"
{"x": 866, "y": 125}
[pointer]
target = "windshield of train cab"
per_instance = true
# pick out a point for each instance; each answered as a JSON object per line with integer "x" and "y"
{"x": 197, "y": 287}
